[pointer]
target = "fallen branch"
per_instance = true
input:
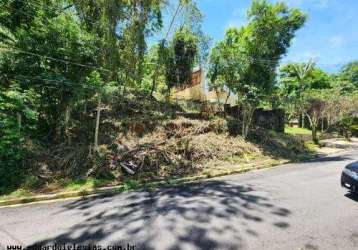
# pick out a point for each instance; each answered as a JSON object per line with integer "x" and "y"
{"x": 127, "y": 169}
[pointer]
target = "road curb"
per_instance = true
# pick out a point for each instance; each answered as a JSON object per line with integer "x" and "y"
{"x": 155, "y": 184}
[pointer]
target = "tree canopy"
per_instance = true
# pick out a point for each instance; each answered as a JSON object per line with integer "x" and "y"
{"x": 246, "y": 60}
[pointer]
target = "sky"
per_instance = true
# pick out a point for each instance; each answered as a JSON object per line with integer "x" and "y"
{"x": 330, "y": 35}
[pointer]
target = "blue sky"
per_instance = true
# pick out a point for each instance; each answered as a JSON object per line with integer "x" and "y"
{"x": 330, "y": 35}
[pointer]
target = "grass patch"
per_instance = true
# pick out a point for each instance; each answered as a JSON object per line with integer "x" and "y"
{"x": 311, "y": 146}
{"x": 31, "y": 187}
{"x": 130, "y": 184}
{"x": 297, "y": 131}
{"x": 19, "y": 193}
{"x": 84, "y": 184}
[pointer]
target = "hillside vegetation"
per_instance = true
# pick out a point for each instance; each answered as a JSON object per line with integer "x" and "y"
{"x": 147, "y": 145}
{"x": 86, "y": 92}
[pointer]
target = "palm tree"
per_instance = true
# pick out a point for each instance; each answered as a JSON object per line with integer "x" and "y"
{"x": 302, "y": 72}
{"x": 295, "y": 78}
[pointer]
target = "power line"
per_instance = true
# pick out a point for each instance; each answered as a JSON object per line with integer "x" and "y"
{"x": 165, "y": 38}
{"x": 12, "y": 49}
{"x": 180, "y": 6}
{"x": 23, "y": 77}
{"x": 39, "y": 5}
{"x": 267, "y": 62}
{"x": 255, "y": 60}
{"x": 48, "y": 19}
{"x": 26, "y": 77}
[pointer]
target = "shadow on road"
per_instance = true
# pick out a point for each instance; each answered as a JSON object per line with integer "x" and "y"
{"x": 352, "y": 196}
{"x": 213, "y": 214}
{"x": 331, "y": 158}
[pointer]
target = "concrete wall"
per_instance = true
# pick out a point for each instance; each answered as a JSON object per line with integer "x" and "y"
{"x": 269, "y": 119}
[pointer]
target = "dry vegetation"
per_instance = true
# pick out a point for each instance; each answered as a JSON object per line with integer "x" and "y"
{"x": 177, "y": 148}
{"x": 155, "y": 143}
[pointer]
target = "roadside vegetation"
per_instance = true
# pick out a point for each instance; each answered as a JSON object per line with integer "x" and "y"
{"x": 85, "y": 102}
{"x": 297, "y": 131}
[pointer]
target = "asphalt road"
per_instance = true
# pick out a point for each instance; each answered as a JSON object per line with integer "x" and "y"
{"x": 296, "y": 206}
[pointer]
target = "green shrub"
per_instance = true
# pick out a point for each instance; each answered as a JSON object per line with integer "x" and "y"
{"x": 354, "y": 130}
{"x": 16, "y": 123}
{"x": 32, "y": 182}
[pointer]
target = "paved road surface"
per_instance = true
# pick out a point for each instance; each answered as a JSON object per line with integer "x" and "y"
{"x": 297, "y": 206}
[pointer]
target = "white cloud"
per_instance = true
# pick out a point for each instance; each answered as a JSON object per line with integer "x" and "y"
{"x": 314, "y": 55}
{"x": 320, "y": 4}
{"x": 235, "y": 23}
{"x": 240, "y": 12}
{"x": 238, "y": 18}
{"x": 303, "y": 57}
{"x": 336, "y": 41}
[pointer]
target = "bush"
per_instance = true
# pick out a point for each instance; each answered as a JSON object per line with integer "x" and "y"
{"x": 12, "y": 170}
{"x": 348, "y": 126}
{"x": 279, "y": 144}
{"x": 354, "y": 130}
{"x": 15, "y": 110}
{"x": 32, "y": 182}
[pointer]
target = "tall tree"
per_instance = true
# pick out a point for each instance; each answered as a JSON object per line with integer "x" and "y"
{"x": 188, "y": 45}
{"x": 50, "y": 54}
{"x": 314, "y": 105}
{"x": 256, "y": 50}
{"x": 178, "y": 58}
{"x": 350, "y": 73}
{"x": 121, "y": 28}
{"x": 294, "y": 81}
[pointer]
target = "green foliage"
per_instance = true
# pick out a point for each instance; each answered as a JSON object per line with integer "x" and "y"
{"x": 69, "y": 69}
{"x": 17, "y": 120}
{"x": 247, "y": 59}
{"x": 55, "y": 58}
{"x": 297, "y": 131}
{"x": 185, "y": 51}
{"x": 350, "y": 73}
{"x": 178, "y": 58}
{"x": 308, "y": 90}
{"x": 295, "y": 78}
{"x": 193, "y": 19}
{"x": 354, "y": 129}
{"x": 31, "y": 182}
{"x": 298, "y": 80}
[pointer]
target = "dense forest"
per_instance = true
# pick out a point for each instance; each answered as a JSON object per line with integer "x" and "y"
{"x": 86, "y": 88}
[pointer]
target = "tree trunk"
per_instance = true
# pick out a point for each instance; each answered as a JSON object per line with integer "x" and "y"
{"x": 314, "y": 134}
{"x": 67, "y": 119}
{"x": 19, "y": 121}
{"x": 303, "y": 120}
{"x": 169, "y": 106}
{"x": 247, "y": 113}
{"x": 328, "y": 121}
{"x": 85, "y": 107}
{"x": 346, "y": 134}
{"x": 218, "y": 100}
{"x": 227, "y": 98}
{"x": 154, "y": 85}
{"x": 57, "y": 128}
{"x": 97, "y": 123}
{"x": 314, "y": 124}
